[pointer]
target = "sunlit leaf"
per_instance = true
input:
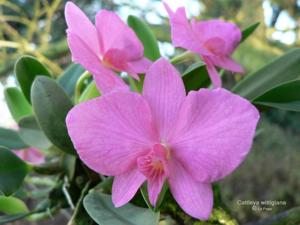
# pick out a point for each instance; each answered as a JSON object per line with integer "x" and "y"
{"x": 249, "y": 30}
{"x": 12, "y": 205}
{"x": 282, "y": 69}
{"x": 284, "y": 96}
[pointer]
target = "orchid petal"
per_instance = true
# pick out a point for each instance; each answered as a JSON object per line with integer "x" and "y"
{"x": 140, "y": 66}
{"x": 195, "y": 198}
{"x": 214, "y": 133}
{"x": 154, "y": 189}
{"x": 213, "y": 73}
{"x": 216, "y": 28}
{"x": 116, "y": 58}
{"x": 110, "y": 132}
{"x": 125, "y": 186}
{"x": 107, "y": 81}
{"x": 114, "y": 33}
{"x": 164, "y": 91}
{"x": 227, "y": 63}
{"x": 182, "y": 33}
{"x": 81, "y": 53}
{"x": 79, "y": 25}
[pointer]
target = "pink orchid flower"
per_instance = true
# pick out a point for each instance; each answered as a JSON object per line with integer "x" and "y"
{"x": 108, "y": 46}
{"x": 31, "y": 155}
{"x": 214, "y": 40}
{"x": 163, "y": 135}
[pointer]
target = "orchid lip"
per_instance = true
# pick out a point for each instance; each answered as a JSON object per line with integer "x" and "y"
{"x": 154, "y": 164}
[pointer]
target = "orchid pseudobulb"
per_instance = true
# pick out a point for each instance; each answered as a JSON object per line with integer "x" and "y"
{"x": 108, "y": 46}
{"x": 214, "y": 40}
{"x": 162, "y": 135}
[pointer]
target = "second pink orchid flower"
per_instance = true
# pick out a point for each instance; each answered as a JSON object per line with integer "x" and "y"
{"x": 108, "y": 46}
{"x": 214, "y": 40}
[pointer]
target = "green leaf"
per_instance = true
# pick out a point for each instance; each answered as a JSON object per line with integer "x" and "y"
{"x": 31, "y": 133}
{"x": 69, "y": 78}
{"x": 282, "y": 69}
{"x": 146, "y": 36}
{"x": 249, "y": 30}
{"x": 100, "y": 207}
{"x": 69, "y": 165}
{"x": 105, "y": 185}
{"x": 196, "y": 77}
{"x": 284, "y": 96}
{"x": 17, "y": 103}
{"x": 26, "y": 69}
{"x": 12, "y": 171}
{"x": 51, "y": 106}
{"x": 11, "y": 205}
{"x": 90, "y": 92}
{"x": 144, "y": 192}
{"x": 11, "y": 139}
{"x": 11, "y": 218}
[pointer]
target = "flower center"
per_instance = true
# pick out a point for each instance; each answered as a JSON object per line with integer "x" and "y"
{"x": 215, "y": 46}
{"x": 154, "y": 164}
{"x": 107, "y": 64}
{"x": 115, "y": 59}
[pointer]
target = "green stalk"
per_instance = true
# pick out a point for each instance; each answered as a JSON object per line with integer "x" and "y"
{"x": 185, "y": 56}
{"x": 80, "y": 84}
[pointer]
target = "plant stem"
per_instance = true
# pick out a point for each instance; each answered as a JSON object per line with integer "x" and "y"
{"x": 79, "y": 203}
{"x": 187, "y": 55}
{"x": 80, "y": 85}
{"x": 48, "y": 168}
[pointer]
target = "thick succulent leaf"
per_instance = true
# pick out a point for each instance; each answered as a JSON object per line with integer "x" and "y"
{"x": 249, "y": 30}
{"x": 284, "y": 96}
{"x": 69, "y": 78}
{"x": 12, "y": 205}
{"x": 196, "y": 77}
{"x": 26, "y": 69}
{"x": 11, "y": 139}
{"x": 282, "y": 69}
{"x": 31, "y": 133}
{"x": 146, "y": 36}
{"x": 17, "y": 103}
{"x": 12, "y": 171}
{"x": 51, "y": 105}
{"x": 100, "y": 207}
